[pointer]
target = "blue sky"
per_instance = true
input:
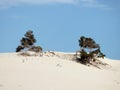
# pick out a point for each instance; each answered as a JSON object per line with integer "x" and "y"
{"x": 58, "y": 24}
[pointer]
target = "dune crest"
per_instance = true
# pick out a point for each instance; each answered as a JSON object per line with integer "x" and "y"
{"x": 56, "y": 71}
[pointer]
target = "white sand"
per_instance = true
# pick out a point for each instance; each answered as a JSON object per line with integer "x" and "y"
{"x": 53, "y": 73}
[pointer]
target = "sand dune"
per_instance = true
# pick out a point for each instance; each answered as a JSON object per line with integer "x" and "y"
{"x": 55, "y": 73}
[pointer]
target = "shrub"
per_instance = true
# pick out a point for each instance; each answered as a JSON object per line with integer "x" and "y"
{"x": 19, "y": 48}
{"x": 27, "y": 43}
{"x": 36, "y": 49}
{"x": 89, "y": 50}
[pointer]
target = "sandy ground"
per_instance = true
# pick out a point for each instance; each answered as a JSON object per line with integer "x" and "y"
{"x": 53, "y": 73}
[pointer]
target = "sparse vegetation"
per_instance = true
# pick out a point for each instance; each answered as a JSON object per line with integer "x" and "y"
{"x": 89, "y": 51}
{"x": 27, "y": 43}
{"x": 88, "y": 54}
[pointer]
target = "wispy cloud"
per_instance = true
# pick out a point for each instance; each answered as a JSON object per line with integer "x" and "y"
{"x": 84, "y": 3}
{"x": 10, "y": 3}
{"x": 93, "y": 4}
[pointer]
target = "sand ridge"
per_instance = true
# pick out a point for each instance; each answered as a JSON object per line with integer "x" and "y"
{"x": 55, "y": 73}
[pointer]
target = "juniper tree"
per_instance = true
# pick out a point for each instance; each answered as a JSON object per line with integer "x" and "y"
{"x": 89, "y": 50}
{"x": 27, "y": 42}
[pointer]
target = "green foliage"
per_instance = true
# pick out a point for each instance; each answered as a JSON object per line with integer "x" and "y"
{"x": 27, "y": 43}
{"x": 87, "y": 43}
{"x": 89, "y": 50}
{"x": 36, "y": 49}
{"x": 28, "y": 40}
{"x": 19, "y": 48}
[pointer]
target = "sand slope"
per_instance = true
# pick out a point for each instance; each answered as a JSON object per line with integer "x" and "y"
{"x": 53, "y": 73}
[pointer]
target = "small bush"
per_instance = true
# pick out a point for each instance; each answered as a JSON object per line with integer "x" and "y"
{"x": 27, "y": 43}
{"x": 36, "y": 49}
{"x": 89, "y": 50}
